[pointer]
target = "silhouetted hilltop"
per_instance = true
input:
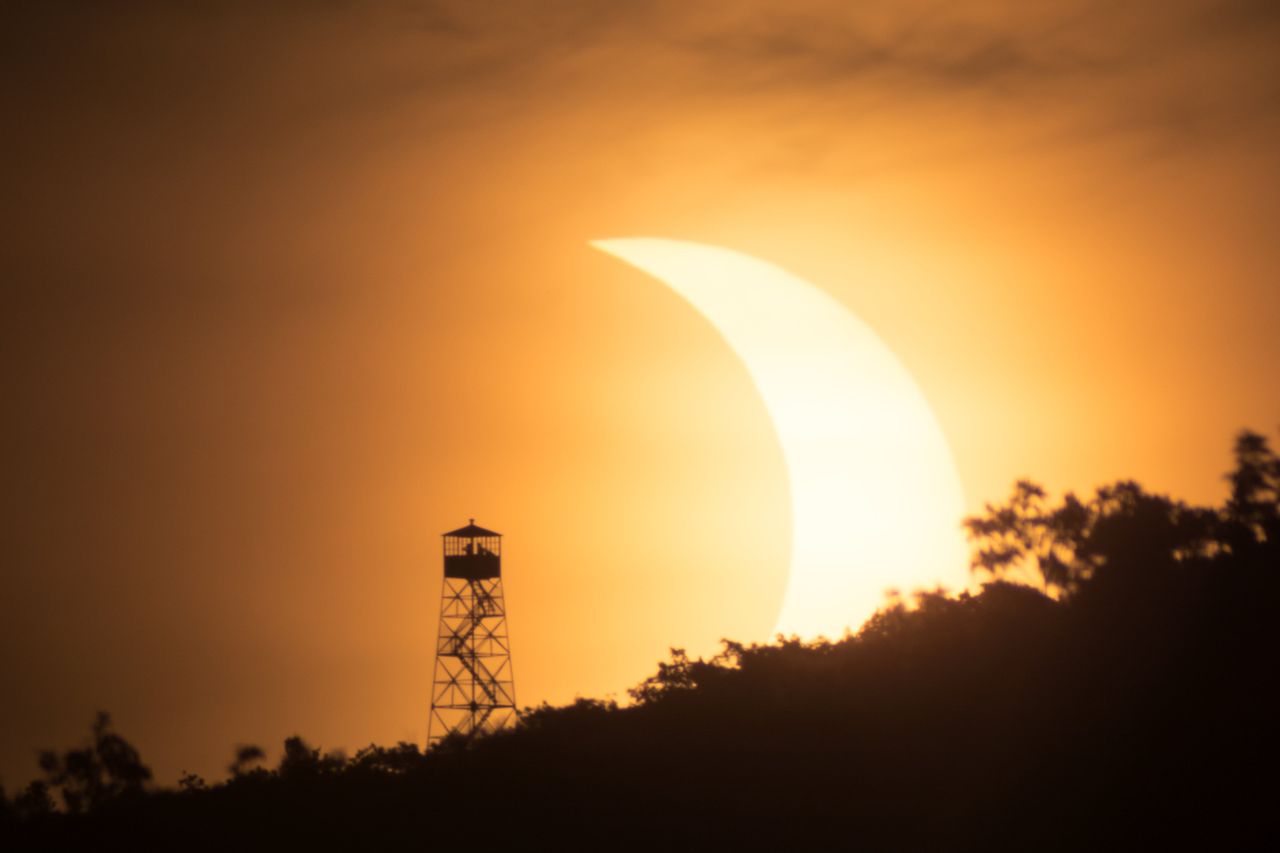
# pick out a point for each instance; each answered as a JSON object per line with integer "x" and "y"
{"x": 1128, "y": 701}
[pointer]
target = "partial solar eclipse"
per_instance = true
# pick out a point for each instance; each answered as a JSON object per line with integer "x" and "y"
{"x": 876, "y": 501}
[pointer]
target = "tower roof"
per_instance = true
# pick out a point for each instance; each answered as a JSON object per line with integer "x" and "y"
{"x": 472, "y": 530}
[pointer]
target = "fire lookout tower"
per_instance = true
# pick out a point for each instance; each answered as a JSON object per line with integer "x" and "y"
{"x": 473, "y": 690}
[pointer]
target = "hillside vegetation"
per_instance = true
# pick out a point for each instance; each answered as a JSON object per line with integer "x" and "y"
{"x": 1112, "y": 685}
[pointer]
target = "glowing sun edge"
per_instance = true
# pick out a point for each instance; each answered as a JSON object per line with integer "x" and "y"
{"x": 875, "y": 495}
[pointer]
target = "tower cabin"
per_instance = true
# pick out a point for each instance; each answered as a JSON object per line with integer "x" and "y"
{"x": 472, "y": 553}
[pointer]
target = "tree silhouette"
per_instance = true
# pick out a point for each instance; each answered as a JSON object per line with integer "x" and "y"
{"x": 1253, "y": 510}
{"x": 33, "y": 802}
{"x": 301, "y": 761}
{"x": 1122, "y": 532}
{"x": 246, "y": 756}
{"x": 107, "y": 769}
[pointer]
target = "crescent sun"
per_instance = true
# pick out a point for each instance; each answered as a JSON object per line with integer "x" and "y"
{"x": 876, "y": 499}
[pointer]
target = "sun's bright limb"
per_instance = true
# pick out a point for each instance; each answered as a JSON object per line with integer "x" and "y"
{"x": 876, "y": 498}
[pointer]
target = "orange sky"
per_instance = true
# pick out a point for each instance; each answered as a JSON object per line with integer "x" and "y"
{"x": 290, "y": 293}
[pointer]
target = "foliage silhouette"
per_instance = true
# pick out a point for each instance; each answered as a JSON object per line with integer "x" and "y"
{"x": 191, "y": 782}
{"x": 246, "y": 756}
{"x": 1124, "y": 698}
{"x": 33, "y": 803}
{"x": 107, "y": 769}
